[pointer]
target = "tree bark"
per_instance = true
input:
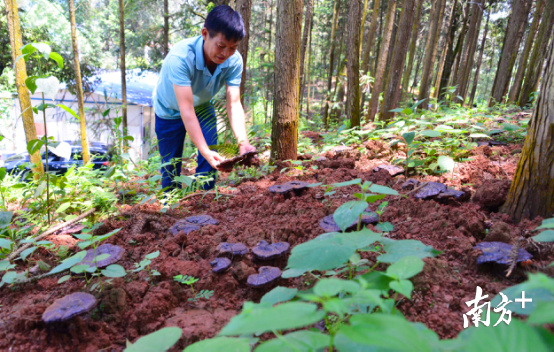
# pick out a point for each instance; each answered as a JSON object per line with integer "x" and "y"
{"x": 362, "y": 27}
{"x": 392, "y": 88}
{"x": 449, "y": 59}
{"x": 331, "y": 62}
{"x": 78, "y": 82}
{"x": 306, "y": 76}
{"x": 468, "y": 54}
{"x": 512, "y": 39}
{"x": 383, "y": 55}
{"x": 369, "y": 41}
{"x": 307, "y": 28}
{"x": 413, "y": 43}
{"x": 479, "y": 61}
{"x": 534, "y": 70}
{"x": 269, "y": 77}
{"x": 532, "y": 190}
{"x": 518, "y": 80}
{"x": 308, "y": 72}
{"x": 429, "y": 60}
{"x": 284, "y": 133}
{"x": 446, "y": 46}
{"x": 353, "y": 67}
{"x": 244, "y": 7}
{"x": 452, "y": 77}
{"x": 20, "y": 77}
{"x": 166, "y": 27}
{"x": 122, "y": 64}
{"x": 435, "y": 48}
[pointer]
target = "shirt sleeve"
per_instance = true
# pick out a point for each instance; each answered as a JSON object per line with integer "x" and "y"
{"x": 234, "y": 75}
{"x": 178, "y": 71}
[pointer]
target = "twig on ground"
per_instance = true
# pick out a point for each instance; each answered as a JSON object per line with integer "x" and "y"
{"x": 413, "y": 190}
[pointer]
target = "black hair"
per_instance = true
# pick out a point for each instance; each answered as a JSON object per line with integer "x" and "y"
{"x": 223, "y": 19}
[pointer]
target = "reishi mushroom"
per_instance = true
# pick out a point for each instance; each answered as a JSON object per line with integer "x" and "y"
{"x": 232, "y": 248}
{"x": 266, "y": 251}
{"x": 68, "y": 307}
{"x": 220, "y": 264}
{"x": 115, "y": 252}
{"x": 265, "y": 276}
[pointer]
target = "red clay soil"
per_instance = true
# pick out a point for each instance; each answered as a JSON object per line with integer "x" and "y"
{"x": 132, "y": 307}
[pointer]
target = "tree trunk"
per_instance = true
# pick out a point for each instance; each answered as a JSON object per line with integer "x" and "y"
{"x": 447, "y": 45}
{"x": 514, "y": 33}
{"x": 449, "y": 59}
{"x": 353, "y": 67}
{"x": 468, "y": 54}
{"x": 331, "y": 62}
{"x": 269, "y": 77}
{"x": 452, "y": 77}
{"x": 308, "y": 71}
{"x": 539, "y": 52}
{"x": 413, "y": 43}
{"x": 304, "y": 47}
{"x": 370, "y": 40}
{"x": 122, "y": 64}
{"x": 383, "y": 56}
{"x": 476, "y": 78}
{"x": 418, "y": 66}
{"x": 518, "y": 80}
{"x": 362, "y": 26}
{"x": 166, "y": 27}
{"x": 20, "y": 77}
{"x": 435, "y": 48}
{"x": 532, "y": 190}
{"x": 78, "y": 82}
{"x": 244, "y": 7}
{"x": 306, "y": 76}
{"x": 284, "y": 133}
{"x": 392, "y": 88}
{"x": 429, "y": 60}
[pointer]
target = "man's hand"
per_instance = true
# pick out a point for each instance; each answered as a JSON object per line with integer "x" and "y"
{"x": 213, "y": 158}
{"x": 246, "y": 147}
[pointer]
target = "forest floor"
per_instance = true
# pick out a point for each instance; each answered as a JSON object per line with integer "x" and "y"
{"x": 132, "y": 306}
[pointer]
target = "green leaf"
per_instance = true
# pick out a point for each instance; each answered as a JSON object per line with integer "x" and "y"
{"x": 161, "y": 340}
{"x": 376, "y": 280}
{"x": 545, "y": 236}
{"x": 5, "y": 265}
{"x": 114, "y": 270}
{"x": 41, "y": 187}
{"x": 5, "y": 218}
{"x": 404, "y": 287}
{"x": 446, "y": 163}
{"x": 58, "y": 58}
{"x": 103, "y": 237}
{"x": 546, "y": 224}
{"x": 510, "y": 127}
{"x": 332, "y": 286}
{"x": 34, "y": 146}
{"x": 49, "y": 86}
{"x": 30, "y": 83}
{"x": 479, "y": 135}
{"x": 409, "y": 137}
{"x": 184, "y": 179}
{"x": 152, "y": 255}
{"x": 372, "y": 198}
{"x": 3, "y": 173}
{"x": 109, "y": 172}
{"x": 391, "y": 332}
{"x": 430, "y": 133}
{"x": 405, "y": 268}
{"x": 27, "y": 252}
{"x": 9, "y": 277}
{"x": 70, "y": 111}
{"x": 385, "y": 226}
{"x": 43, "y": 48}
{"x": 279, "y": 294}
{"x": 290, "y": 315}
{"x": 69, "y": 262}
{"x": 230, "y": 344}
{"x": 64, "y": 279}
{"x": 544, "y": 314}
{"x": 301, "y": 341}
{"x": 407, "y": 111}
{"x": 397, "y": 250}
{"x": 5, "y": 243}
{"x": 63, "y": 207}
{"x": 375, "y": 188}
{"x": 78, "y": 269}
{"x": 347, "y": 183}
{"x": 536, "y": 294}
{"x": 349, "y": 212}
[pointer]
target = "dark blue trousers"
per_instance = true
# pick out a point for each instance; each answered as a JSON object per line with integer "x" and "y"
{"x": 171, "y": 138}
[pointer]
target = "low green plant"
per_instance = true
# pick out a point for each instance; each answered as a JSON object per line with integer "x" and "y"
{"x": 186, "y": 280}
{"x": 145, "y": 264}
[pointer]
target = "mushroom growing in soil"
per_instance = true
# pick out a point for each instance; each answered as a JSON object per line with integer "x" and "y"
{"x": 68, "y": 307}
{"x": 500, "y": 253}
{"x": 265, "y": 276}
{"x": 115, "y": 252}
{"x": 266, "y": 251}
{"x": 393, "y": 170}
{"x": 281, "y": 189}
{"x": 431, "y": 190}
{"x": 192, "y": 223}
{"x": 232, "y": 248}
{"x": 328, "y": 223}
{"x": 220, "y": 264}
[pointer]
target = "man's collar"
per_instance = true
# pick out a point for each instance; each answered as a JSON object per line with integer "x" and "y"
{"x": 200, "y": 65}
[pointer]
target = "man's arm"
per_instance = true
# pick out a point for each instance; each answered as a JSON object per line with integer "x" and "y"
{"x": 185, "y": 101}
{"x": 237, "y": 119}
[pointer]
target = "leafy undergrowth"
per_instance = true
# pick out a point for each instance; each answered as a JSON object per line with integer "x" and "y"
{"x": 400, "y": 284}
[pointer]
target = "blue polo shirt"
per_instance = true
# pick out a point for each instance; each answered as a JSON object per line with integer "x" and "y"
{"x": 184, "y": 66}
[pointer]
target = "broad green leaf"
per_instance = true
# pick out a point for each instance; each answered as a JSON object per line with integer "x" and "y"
{"x": 430, "y": 133}
{"x": 375, "y": 280}
{"x": 34, "y": 146}
{"x": 152, "y": 255}
{"x": 109, "y": 172}
{"x": 546, "y": 224}
{"x": 510, "y": 127}
{"x": 41, "y": 187}
{"x": 391, "y": 332}
{"x": 64, "y": 279}
{"x": 409, "y": 137}
{"x": 347, "y": 183}
{"x": 5, "y": 265}
{"x": 407, "y": 111}
{"x": 43, "y": 48}
{"x": 349, "y": 212}
{"x": 103, "y": 237}
{"x": 5, "y": 218}
{"x": 405, "y": 268}
{"x": 30, "y": 83}
{"x": 289, "y": 315}
{"x": 70, "y": 111}
{"x": 161, "y": 340}
{"x": 279, "y": 294}
{"x": 397, "y": 250}
{"x": 102, "y": 257}
{"x": 404, "y": 287}
{"x": 9, "y": 277}
{"x": 69, "y": 262}
{"x": 372, "y": 198}
{"x": 545, "y": 236}
{"x": 446, "y": 163}
{"x": 479, "y": 135}
{"x": 544, "y": 314}
{"x": 375, "y": 188}
{"x": 3, "y": 173}
{"x": 230, "y": 344}
{"x": 58, "y": 58}
{"x": 6, "y": 244}
{"x": 536, "y": 294}
{"x": 49, "y": 86}
{"x": 185, "y": 179}
{"x": 78, "y": 269}
{"x": 114, "y": 270}
{"x": 332, "y": 286}
{"x": 83, "y": 236}
{"x": 27, "y": 252}
{"x": 301, "y": 341}
{"x": 385, "y": 226}
{"x": 63, "y": 207}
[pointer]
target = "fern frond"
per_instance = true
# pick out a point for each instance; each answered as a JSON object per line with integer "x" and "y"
{"x": 227, "y": 150}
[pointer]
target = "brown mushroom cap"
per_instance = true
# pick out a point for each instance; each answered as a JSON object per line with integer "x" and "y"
{"x": 431, "y": 190}
{"x": 115, "y": 252}
{"x": 192, "y": 223}
{"x": 298, "y": 185}
{"x": 266, "y": 251}
{"x": 220, "y": 264}
{"x": 281, "y": 189}
{"x": 265, "y": 276}
{"x": 392, "y": 169}
{"x": 232, "y": 248}
{"x": 69, "y": 306}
